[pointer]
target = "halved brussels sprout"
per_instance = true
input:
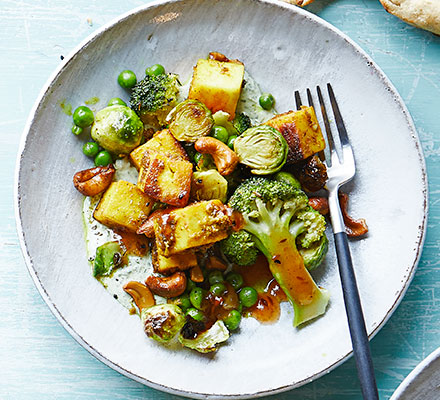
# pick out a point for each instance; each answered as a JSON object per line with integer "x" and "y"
{"x": 108, "y": 257}
{"x": 208, "y": 185}
{"x": 207, "y": 341}
{"x": 162, "y": 322}
{"x": 118, "y": 129}
{"x": 190, "y": 120}
{"x": 262, "y": 148}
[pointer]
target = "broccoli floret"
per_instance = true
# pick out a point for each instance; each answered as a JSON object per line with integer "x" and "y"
{"x": 314, "y": 254}
{"x": 241, "y": 123}
{"x": 277, "y": 215}
{"x": 240, "y": 248}
{"x": 154, "y": 97}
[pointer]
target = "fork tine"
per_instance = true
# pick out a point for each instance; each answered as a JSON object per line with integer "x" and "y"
{"x": 338, "y": 117}
{"x": 298, "y": 100}
{"x": 309, "y": 98}
{"x": 331, "y": 142}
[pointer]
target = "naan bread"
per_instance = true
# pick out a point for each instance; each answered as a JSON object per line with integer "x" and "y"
{"x": 300, "y": 3}
{"x": 423, "y": 14}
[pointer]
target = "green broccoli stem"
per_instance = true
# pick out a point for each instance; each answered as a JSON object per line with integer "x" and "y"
{"x": 286, "y": 264}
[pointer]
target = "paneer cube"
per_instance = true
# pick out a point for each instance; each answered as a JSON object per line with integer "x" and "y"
{"x": 123, "y": 206}
{"x": 166, "y": 179}
{"x": 301, "y": 131}
{"x": 217, "y": 84}
{"x": 176, "y": 262}
{"x": 162, "y": 142}
{"x": 196, "y": 225}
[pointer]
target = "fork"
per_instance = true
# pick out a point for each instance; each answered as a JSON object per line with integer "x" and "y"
{"x": 340, "y": 171}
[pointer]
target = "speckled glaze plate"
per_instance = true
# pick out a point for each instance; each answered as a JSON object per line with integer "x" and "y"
{"x": 285, "y": 49}
{"x": 423, "y": 383}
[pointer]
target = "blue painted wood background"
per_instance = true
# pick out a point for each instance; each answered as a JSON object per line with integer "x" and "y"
{"x": 39, "y": 360}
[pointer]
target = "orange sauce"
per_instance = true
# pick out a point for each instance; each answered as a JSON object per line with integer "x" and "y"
{"x": 270, "y": 295}
{"x": 136, "y": 245}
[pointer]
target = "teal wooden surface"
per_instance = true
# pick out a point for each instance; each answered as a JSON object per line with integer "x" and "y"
{"x": 39, "y": 360}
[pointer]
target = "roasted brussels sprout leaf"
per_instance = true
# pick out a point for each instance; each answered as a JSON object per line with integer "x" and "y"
{"x": 208, "y": 185}
{"x": 262, "y": 148}
{"x": 118, "y": 129}
{"x": 207, "y": 341}
{"x": 190, "y": 120}
{"x": 162, "y": 322}
{"x": 108, "y": 257}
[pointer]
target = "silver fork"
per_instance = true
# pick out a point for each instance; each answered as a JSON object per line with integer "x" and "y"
{"x": 340, "y": 171}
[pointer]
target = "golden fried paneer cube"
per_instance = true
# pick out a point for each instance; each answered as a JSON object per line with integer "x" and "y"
{"x": 123, "y": 206}
{"x": 301, "y": 131}
{"x": 166, "y": 179}
{"x": 162, "y": 142}
{"x": 196, "y": 225}
{"x": 217, "y": 84}
{"x": 177, "y": 262}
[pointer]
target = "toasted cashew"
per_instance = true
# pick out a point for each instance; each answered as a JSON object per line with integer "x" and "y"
{"x": 170, "y": 286}
{"x": 224, "y": 158}
{"x": 141, "y": 295}
{"x": 196, "y": 274}
{"x": 93, "y": 181}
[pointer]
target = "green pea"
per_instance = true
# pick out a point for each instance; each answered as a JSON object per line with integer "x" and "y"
{"x": 83, "y": 116}
{"x": 231, "y": 141}
{"x": 235, "y": 279}
{"x": 127, "y": 79}
{"x": 220, "y": 133}
{"x": 215, "y": 277}
{"x": 184, "y": 301}
{"x": 190, "y": 285}
{"x": 217, "y": 289}
{"x": 201, "y": 160}
{"x": 155, "y": 69}
{"x": 91, "y": 149}
{"x": 194, "y": 313}
{"x": 248, "y": 296}
{"x": 266, "y": 101}
{"x": 103, "y": 158}
{"x": 77, "y": 130}
{"x": 196, "y": 297}
{"x": 233, "y": 320}
{"x": 116, "y": 100}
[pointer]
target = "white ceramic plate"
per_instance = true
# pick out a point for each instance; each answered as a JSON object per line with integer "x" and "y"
{"x": 284, "y": 48}
{"x": 423, "y": 383}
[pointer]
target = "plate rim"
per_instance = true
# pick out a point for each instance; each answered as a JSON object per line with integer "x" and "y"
{"x": 45, "y": 91}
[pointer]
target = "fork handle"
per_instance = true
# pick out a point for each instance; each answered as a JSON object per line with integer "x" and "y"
{"x": 358, "y": 332}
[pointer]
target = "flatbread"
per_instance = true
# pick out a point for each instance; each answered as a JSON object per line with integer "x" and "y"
{"x": 423, "y": 14}
{"x": 300, "y": 3}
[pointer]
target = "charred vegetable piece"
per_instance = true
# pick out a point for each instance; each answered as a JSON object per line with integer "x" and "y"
{"x": 313, "y": 174}
{"x": 196, "y": 225}
{"x": 118, "y": 129}
{"x": 108, "y": 257}
{"x": 163, "y": 142}
{"x": 217, "y": 84}
{"x": 190, "y": 120}
{"x": 301, "y": 131}
{"x": 208, "y": 185}
{"x": 162, "y": 322}
{"x": 207, "y": 341}
{"x": 124, "y": 206}
{"x": 165, "y": 178}
{"x": 261, "y": 148}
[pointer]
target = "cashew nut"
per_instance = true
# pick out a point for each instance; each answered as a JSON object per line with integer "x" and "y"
{"x": 170, "y": 286}
{"x": 141, "y": 295}
{"x": 196, "y": 274}
{"x": 224, "y": 158}
{"x": 93, "y": 181}
{"x": 214, "y": 262}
